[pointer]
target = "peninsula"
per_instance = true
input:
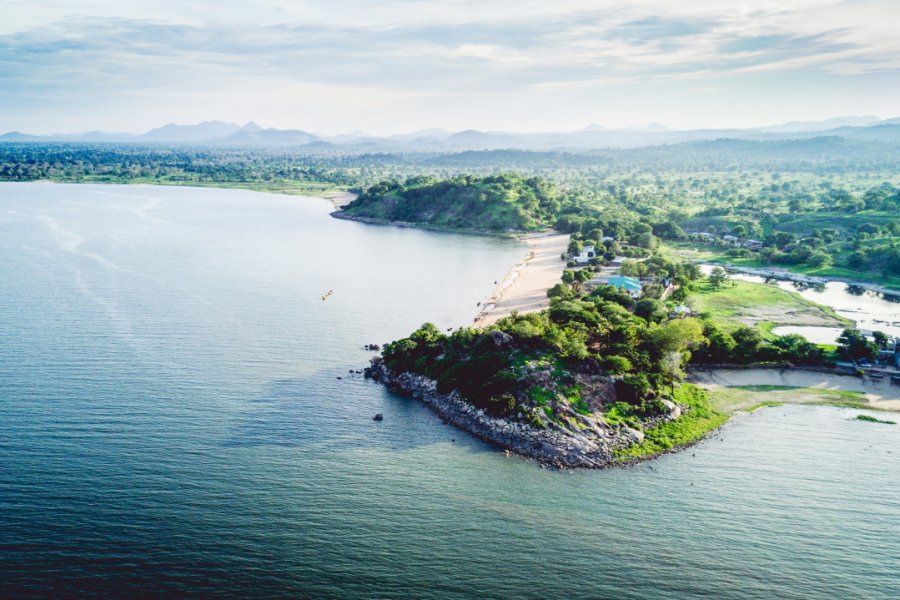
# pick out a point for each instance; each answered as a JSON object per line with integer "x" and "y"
{"x": 568, "y": 362}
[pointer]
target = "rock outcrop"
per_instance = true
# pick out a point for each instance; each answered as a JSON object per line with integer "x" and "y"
{"x": 589, "y": 443}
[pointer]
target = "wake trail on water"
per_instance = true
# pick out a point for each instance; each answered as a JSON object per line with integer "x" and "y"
{"x": 71, "y": 242}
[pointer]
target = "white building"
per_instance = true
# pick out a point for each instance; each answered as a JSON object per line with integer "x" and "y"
{"x": 586, "y": 255}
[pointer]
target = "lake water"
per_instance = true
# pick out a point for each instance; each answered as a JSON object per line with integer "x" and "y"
{"x": 172, "y": 422}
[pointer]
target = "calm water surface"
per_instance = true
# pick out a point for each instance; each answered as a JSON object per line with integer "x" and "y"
{"x": 173, "y": 423}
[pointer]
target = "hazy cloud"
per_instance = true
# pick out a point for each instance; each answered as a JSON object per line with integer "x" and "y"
{"x": 91, "y": 52}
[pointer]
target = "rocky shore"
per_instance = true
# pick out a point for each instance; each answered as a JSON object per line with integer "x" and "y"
{"x": 591, "y": 446}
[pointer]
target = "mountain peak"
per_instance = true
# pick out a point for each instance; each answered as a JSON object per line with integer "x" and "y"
{"x": 207, "y": 130}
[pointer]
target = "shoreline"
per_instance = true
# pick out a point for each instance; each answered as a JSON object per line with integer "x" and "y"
{"x": 593, "y": 449}
{"x": 324, "y": 191}
{"x": 524, "y": 287}
{"x": 339, "y": 214}
{"x": 597, "y": 448}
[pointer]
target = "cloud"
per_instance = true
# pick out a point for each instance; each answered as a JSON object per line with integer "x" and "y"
{"x": 92, "y": 51}
{"x": 117, "y": 52}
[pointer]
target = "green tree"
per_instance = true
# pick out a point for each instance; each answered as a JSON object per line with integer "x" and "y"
{"x": 650, "y": 309}
{"x": 819, "y": 259}
{"x": 718, "y": 277}
{"x": 747, "y": 342}
{"x": 853, "y": 345}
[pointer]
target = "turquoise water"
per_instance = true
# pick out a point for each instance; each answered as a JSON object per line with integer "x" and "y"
{"x": 171, "y": 423}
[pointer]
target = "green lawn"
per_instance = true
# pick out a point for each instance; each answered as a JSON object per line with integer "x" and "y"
{"x": 765, "y": 306}
{"x": 753, "y": 397}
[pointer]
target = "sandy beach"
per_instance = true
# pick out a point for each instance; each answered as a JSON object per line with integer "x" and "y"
{"x": 524, "y": 288}
{"x": 880, "y": 394}
{"x": 338, "y": 198}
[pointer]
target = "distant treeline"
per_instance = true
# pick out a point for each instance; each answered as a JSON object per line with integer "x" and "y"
{"x": 28, "y": 161}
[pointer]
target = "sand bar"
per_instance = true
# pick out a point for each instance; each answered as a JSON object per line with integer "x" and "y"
{"x": 524, "y": 288}
{"x": 879, "y": 393}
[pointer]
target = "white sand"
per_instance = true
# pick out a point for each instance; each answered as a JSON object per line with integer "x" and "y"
{"x": 880, "y": 393}
{"x": 338, "y": 198}
{"x": 524, "y": 289}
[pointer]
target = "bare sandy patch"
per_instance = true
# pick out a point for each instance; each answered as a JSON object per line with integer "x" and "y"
{"x": 879, "y": 394}
{"x": 786, "y": 315}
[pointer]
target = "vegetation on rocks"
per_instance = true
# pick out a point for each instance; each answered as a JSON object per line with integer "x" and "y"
{"x": 698, "y": 420}
{"x": 869, "y": 419}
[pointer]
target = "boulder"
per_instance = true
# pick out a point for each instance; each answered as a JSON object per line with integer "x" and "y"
{"x": 634, "y": 435}
{"x": 674, "y": 409}
{"x": 378, "y": 417}
{"x": 501, "y": 339}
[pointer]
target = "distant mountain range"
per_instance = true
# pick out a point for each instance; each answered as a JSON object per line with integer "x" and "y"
{"x": 220, "y": 133}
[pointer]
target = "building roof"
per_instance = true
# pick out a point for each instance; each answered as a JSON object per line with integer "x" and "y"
{"x": 629, "y": 283}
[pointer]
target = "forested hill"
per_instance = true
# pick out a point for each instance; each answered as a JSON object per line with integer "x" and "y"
{"x": 498, "y": 203}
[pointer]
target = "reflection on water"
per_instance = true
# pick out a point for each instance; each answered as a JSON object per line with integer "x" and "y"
{"x": 802, "y": 286}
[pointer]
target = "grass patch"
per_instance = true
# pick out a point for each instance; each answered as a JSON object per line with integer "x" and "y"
{"x": 765, "y": 404}
{"x": 765, "y": 306}
{"x": 765, "y": 328}
{"x": 869, "y": 419}
{"x": 698, "y": 420}
{"x": 540, "y": 396}
{"x": 752, "y": 397}
{"x": 766, "y": 388}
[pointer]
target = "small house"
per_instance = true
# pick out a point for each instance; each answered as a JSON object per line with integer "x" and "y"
{"x": 585, "y": 256}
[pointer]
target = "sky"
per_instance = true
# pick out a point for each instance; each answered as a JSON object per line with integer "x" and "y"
{"x": 389, "y": 66}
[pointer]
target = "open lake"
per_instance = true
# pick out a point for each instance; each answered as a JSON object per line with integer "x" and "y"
{"x": 177, "y": 417}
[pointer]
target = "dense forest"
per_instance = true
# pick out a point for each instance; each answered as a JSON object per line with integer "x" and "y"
{"x": 500, "y": 203}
